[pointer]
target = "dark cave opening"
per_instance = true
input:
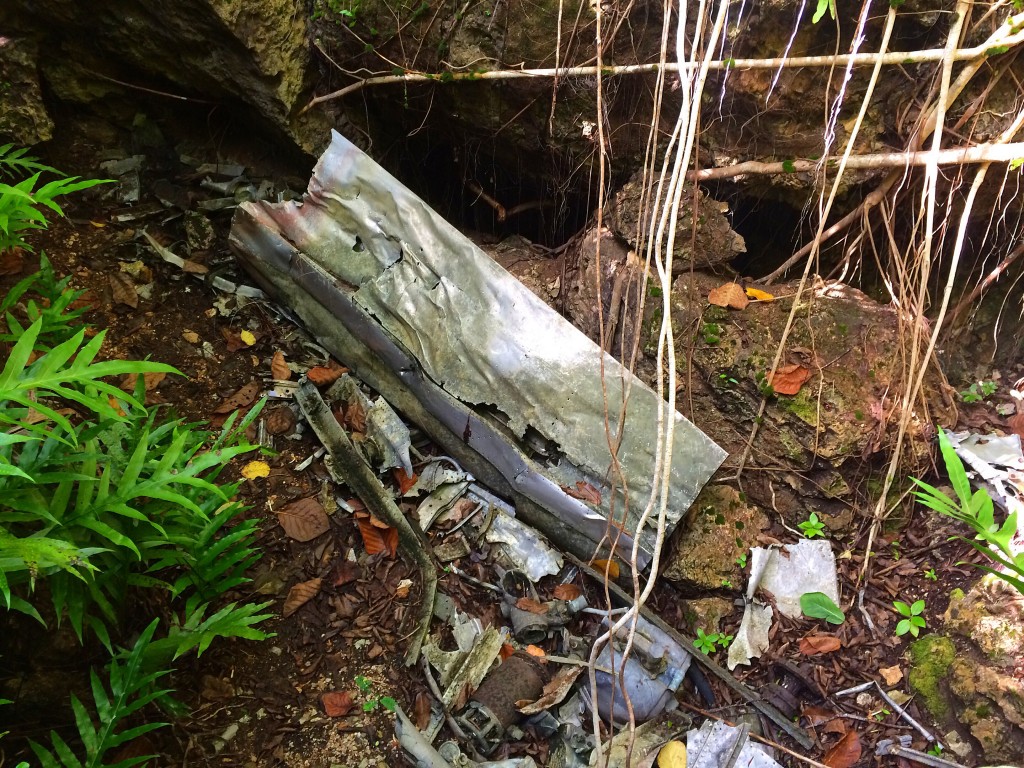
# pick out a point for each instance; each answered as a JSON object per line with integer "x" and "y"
{"x": 773, "y": 230}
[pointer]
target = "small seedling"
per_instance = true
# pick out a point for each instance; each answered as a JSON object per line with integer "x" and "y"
{"x": 726, "y": 380}
{"x": 912, "y": 622}
{"x": 374, "y": 702}
{"x": 935, "y": 749}
{"x": 931, "y": 575}
{"x": 881, "y": 714}
{"x": 727, "y": 583}
{"x": 741, "y": 561}
{"x": 706, "y": 644}
{"x": 812, "y": 526}
{"x": 978, "y": 391}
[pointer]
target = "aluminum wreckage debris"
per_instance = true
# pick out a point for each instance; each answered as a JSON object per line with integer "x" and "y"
{"x": 496, "y": 377}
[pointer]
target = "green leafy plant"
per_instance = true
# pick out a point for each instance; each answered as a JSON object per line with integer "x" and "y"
{"x": 132, "y": 687}
{"x": 979, "y": 391}
{"x": 931, "y": 575}
{"x": 823, "y": 7}
{"x": 818, "y": 605}
{"x": 23, "y": 202}
{"x": 372, "y": 703}
{"x": 712, "y": 333}
{"x": 812, "y": 526}
{"x": 977, "y": 511}
{"x": 741, "y": 560}
{"x": 912, "y": 622}
{"x": 709, "y": 643}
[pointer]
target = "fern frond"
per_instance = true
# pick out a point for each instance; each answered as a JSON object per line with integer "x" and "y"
{"x": 12, "y": 159}
{"x": 132, "y": 687}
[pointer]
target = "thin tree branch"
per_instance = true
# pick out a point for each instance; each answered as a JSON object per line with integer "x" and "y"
{"x": 981, "y": 153}
{"x": 1009, "y": 35}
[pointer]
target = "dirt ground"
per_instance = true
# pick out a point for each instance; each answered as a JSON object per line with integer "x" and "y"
{"x": 262, "y": 704}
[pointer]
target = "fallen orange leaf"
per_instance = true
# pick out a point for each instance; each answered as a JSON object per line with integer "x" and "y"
{"x": 567, "y": 592}
{"x": 336, "y": 703}
{"x": 322, "y": 376}
{"x": 279, "y": 368}
{"x": 814, "y": 645}
{"x": 405, "y": 482}
{"x": 788, "y": 379}
{"x": 533, "y": 650}
{"x": 528, "y": 604}
{"x": 607, "y": 566}
{"x": 506, "y": 651}
{"x": 844, "y": 754}
{"x": 377, "y": 540}
{"x": 584, "y": 492}
{"x": 729, "y": 295}
{"x": 758, "y": 295}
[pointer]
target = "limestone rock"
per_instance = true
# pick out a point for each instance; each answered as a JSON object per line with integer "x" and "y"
{"x": 712, "y": 244}
{"x": 23, "y": 115}
{"x": 719, "y": 527}
{"x": 252, "y": 52}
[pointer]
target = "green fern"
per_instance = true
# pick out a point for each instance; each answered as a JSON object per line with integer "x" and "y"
{"x": 12, "y": 160}
{"x": 22, "y": 204}
{"x": 53, "y": 307}
{"x": 132, "y": 687}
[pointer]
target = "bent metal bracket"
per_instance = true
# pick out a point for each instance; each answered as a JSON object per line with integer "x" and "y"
{"x": 496, "y": 377}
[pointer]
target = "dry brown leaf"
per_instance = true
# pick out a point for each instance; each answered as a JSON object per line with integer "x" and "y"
{"x": 836, "y": 725}
{"x": 150, "y": 381}
{"x": 789, "y": 378}
{"x": 233, "y": 339}
{"x": 729, "y": 295}
{"x": 612, "y": 568}
{"x": 402, "y": 589}
{"x": 376, "y": 539}
{"x": 241, "y": 399}
{"x": 405, "y": 482}
{"x": 818, "y": 644}
{"x": 1016, "y": 424}
{"x": 12, "y": 261}
{"x": 817, "y": 715}
{"x": 280, "y": 420}
{"x": 567, "y": 592}
{"x": 300, "y": 594}
{"x": 194, "y": 267}
{"x": 554, "y": 691}
{"x": 531, "y": 605}
{"x": 323, "y": 376}
{"x": 123, "y": 290}
{"x": 421, "y": 711}
{"x": 346, "y": 573}
{"x": 304, "y": 520}
{"x": 337, "y": 703}
{"x": 217, "y": 688}
{"x": 506, "y": 651}
{"x": 279, "y": 368}
{"x": 844, "y": 754}
{"x": 891, "y": 675}
{"x": 355, "y": 417}
{"x": 584, "y": 492}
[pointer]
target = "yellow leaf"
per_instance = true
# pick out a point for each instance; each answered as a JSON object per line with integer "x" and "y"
{"x": 672, "y": 755}
{"x": 756, "y": 295}
{"x": 98, "y": 224}
{"x": 255, "y": 469}
{"x": 247, "y": 338}
{"x": 607, "y": 566}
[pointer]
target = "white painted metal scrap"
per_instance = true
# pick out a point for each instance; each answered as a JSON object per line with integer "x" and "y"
{"x": 483, "y": 355}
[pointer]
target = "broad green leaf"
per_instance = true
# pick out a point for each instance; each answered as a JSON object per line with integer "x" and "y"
{"x": 818, "y": 605}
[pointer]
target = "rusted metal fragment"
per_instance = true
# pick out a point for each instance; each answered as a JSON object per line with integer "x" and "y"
{"x": 426, "y": 315}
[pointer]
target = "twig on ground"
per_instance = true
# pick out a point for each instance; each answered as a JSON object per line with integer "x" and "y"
{"x": 896, "y": 707}
{"x": 368, "y": 487}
